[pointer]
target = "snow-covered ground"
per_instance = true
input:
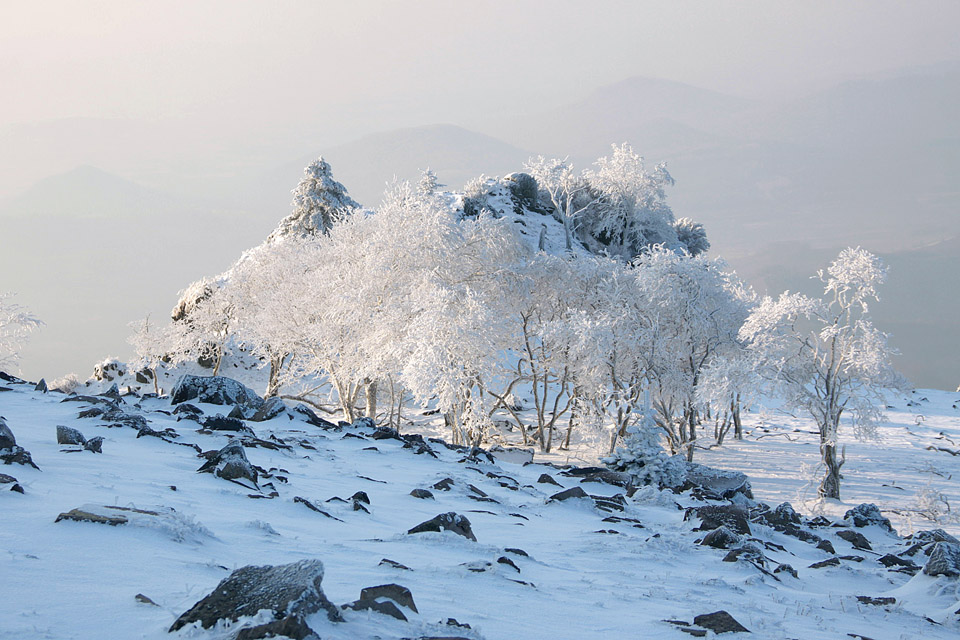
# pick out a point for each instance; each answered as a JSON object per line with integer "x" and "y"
{"x": 583, "y": 577}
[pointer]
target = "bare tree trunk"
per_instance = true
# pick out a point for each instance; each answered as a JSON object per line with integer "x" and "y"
{"x": 735, "y": 413}
{"x": 276, "y": 366}
{"x": 830, "y": 485}
{"x": 370, "y": 390}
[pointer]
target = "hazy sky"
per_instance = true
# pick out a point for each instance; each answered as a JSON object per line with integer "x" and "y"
{"x": 177, "y": 94}
{"x": 256, "y": 64}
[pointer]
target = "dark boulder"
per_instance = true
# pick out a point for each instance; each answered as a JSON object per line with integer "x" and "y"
{"x": 786, "y": 568}
{"x": 546, "y": 478}
{"x": 10, "y": 451}
{"x": 599, "y": 474}
{"x": 7, "y": 439}
{"x": 944, "y": 560}
{"x": 94, "y": 445}
{"x": 214, "y": 390}
{"x": 290, "y": 590}
{"x": 731, "y": 516}
{"x": 716, "y": 484}
{"x": 269, "y": 410}
{"x": 230, "y": 463}
{"x": 933, "y": 535}
{"x": 720, "y": 622}
{"x": 187, "y": 409}
{"x": 720, "y": 538}
{"x": 749, "y": 552}
{"x": 10, "y": 480}
{"x": 69, "y": 435}
{"x": 224, "y": 423}
{"x": 572, "y": 492}
{"x": 386, "y": 607}
{"x": 523, "y": 187}
{"x": 443, "y": 485}
{"x": 449, "y": 521}
{"x": 312, "y": 418}
{"x": 398, "y": 593}
{"x": 41, "y": 386}
{"x": 423, "y": 494}
{"x": 891, "y": 560}
{"x": 857, "y": 539}
{"x": 867, "y": 514}
{"x": 292, "y": 627}
{"x": 783, "y": 516}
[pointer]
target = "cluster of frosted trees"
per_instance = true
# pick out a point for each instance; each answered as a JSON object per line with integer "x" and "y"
{"x": 434, "y": 300}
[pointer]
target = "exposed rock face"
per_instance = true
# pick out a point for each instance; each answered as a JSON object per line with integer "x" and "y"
{"x": 864, "y": 515}
{"x": 289, "y": 590}
{"x": 449, "y": 521}
{"x": 230, "y": 463}
{"x": 214, "y": 390}
{"x": 944, "y": 560}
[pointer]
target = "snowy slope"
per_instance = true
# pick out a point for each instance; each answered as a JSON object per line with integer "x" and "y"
{"x": 584, "y": 577}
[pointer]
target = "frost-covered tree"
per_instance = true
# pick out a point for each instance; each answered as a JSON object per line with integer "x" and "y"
{"x": 567, "y": 192}
{"x": 318, "y": 202}
{"x": 692, "y": 235}
{"x": 633, "y": 213}
{"x": 643, "y": 457}
{"x": 617, "y": 208}
{"x": 150, "y": 343}
{"x": 699, "y": 309}
{"x": 825, "y": 357}
{"x": 16, "y": 324}
{"x": 203, "y": 323}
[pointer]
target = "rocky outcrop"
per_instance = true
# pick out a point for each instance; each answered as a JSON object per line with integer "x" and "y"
{"x": 215, "y": 390}
{"x": 290, "y": 591}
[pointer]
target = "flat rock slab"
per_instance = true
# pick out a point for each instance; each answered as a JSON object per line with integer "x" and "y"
{"x": 720, "y": 622}
{"x": 166, "y": 520}
{"x": 449, "y": 521}
{"x": 287, "y": 590}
